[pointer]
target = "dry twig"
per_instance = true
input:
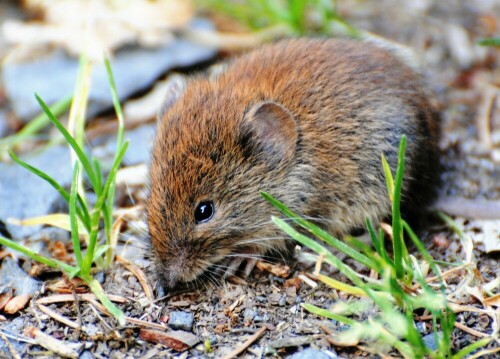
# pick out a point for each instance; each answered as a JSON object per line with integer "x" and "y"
{"x": 249, "y": 342}
{"x": 139, "y": 274}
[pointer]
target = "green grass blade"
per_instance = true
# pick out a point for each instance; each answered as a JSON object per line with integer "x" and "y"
{"x": 87, "y": 262}
{"x": 82, "y": 212}
{"x": 100, "y": 251}
{"x": 397, "y": 229}
{"x": 492, "y": 41}
{"x": 116, "y": 103}
{"x": 321, "y": 234}
{"x": 37, "y": 257}
{"x": 428, "y": 258}
{"x": 379, "y": 298}
{"x": 108, "y": 215}
{"x": 71, "y": 141}
{"x": 389, "y": 180}
{"x": 103, "y": 298}
{"x": 471, "y": 348}
{"x": 76, "y": 120}
{"x": 328, "y": 314}
{"x": 38, "y": 123}
{"x": 413, "y": 336}
{"x": 73, "y": 215}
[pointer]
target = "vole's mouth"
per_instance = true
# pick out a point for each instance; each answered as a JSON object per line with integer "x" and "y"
{"x": 238, "y": 263}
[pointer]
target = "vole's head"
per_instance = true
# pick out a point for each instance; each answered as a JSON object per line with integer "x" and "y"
{"x": 214, "y": 151}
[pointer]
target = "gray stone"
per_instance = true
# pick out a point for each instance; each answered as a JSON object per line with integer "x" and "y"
{"x": 430, "y": 340}
{"x": 181, "y": 320}
{"x": 249, "y": 315}
{"x": 261, "y": 299}
{"x": 12, "y": 329}
{"x": 310, "y": 353}
{"x": 53, "y": 77}
{"x": 86, "y": 355}
{"x": 25, "y": 195}
{"x": 11, "y": 275}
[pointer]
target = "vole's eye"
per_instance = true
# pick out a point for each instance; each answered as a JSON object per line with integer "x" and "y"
{"x": 204, "y": 212}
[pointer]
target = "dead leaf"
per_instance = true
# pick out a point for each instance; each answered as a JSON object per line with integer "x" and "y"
{"x": 59, "y": 220}
{"x": 6, "y": 297}
{"x": 493, "y": 301}
{"x": 279, "y": 270}
{"x": 17, "y": 303}
{"x": 177, "y": 339}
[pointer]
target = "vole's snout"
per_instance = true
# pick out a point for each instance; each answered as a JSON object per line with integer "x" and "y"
{"x": 168, "y": 279}
{"x": 175, "y": 271}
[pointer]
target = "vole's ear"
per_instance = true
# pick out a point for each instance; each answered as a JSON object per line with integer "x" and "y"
{"x": 174, "y": 88}
{"x": 271, "y": 129}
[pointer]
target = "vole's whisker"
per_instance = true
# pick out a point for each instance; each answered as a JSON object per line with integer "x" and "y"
{"x": 259, "y": 240}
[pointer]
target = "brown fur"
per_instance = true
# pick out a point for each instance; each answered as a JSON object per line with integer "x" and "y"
{"x": 340, "y": 104}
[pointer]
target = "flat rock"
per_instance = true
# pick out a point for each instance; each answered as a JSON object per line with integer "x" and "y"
{"x": 11, "y": 275}
{"x": 138, "y": 151}
{"x": 25, "y": 195}
{"x": 53, "y": 76}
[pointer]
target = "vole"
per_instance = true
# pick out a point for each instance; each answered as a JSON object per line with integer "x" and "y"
{"x": 305, "y": 120}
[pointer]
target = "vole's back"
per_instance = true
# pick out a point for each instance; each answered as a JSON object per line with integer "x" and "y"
{"x": 352, "y": 101}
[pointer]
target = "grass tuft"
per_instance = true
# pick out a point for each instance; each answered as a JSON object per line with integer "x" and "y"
{"x": 399, "y": 290}
{"x": 299, "y": 17}
{"x": 84, "y": 221}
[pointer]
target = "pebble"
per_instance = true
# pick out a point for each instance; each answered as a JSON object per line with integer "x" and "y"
{"x": 430, "y": 340}
{"x": 282, "y": 301}
{"x": 11, "y": 275}
{"x": 86, "y": 355}
{"x": 261, "y": 299}
{"x": 310, "y": 353}
{"x": 181, "y": 320}
{"x": 421, "y": 327}
{"x": 249, "y": 315}
{"x": 53, "y": 76}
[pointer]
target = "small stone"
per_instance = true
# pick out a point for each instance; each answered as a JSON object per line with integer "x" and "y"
{"x": 430, "y": 340}
{"x": 298, "y": 299}
{"x": 261, "y": 299}
{"x": 249, "y": 315}
{"x": 258, "y": 319}
{"x": 274, "y": 298}
{"x": 213, "y": 340}
{"x": 282, "y": 301}
{"x": 86, "y": 355}
{"x": 181, "y": 321}
{"x": 421, "y": 327}
{"x": 310, "y": 353}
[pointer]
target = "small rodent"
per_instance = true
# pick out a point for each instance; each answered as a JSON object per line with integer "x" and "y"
{"x": 305, "y": 120}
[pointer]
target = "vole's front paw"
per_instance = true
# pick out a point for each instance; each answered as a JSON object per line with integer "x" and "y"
{"x": 237, "y": 263}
